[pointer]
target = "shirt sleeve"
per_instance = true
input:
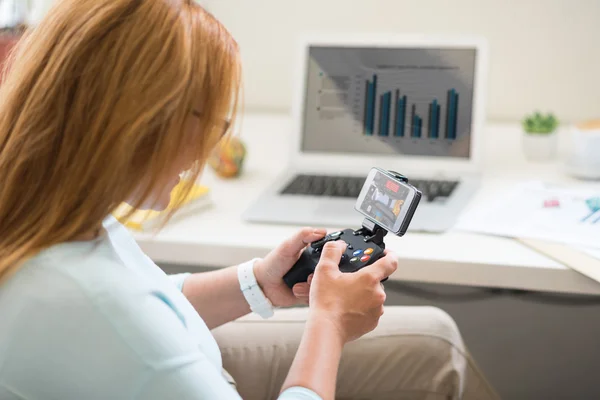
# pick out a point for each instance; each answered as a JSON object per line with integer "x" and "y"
{"x": 179, "y": 369}
{"x": 186, "y": 374}
{"x": 179, "y": 279}
{"x": 299, "y": 393}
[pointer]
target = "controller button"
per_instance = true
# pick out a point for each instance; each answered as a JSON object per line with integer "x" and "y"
{"x": 335, "y": 235}
{"x": 357, "y": 252}
{"x": 354, "y": 259}
{"x": 365, "y": 258}
{"x": 369, "y": 250}
{"x": 349, "y": 247}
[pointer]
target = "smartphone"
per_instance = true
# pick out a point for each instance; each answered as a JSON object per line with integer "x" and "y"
{"x": 388, "y": 201}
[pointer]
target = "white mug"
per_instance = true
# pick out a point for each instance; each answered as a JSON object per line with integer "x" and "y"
{"x": 584, "y": 154}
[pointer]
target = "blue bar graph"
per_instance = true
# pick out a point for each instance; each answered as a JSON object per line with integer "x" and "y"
{"x": 370, "y": 96}
{"x": 384, "y": 114}
{"x": 437, "y": 120}
{"x": 455, "y": 115}
{"x": 417, "y": 123}
{"x": 367, "y": 110}
{"x": 413, "y": 127}
{"x": 391, "y": 115}
{"x": 451, "y": 114}
{"x": 434, "y": 120}
{"x": 400, "y": 114}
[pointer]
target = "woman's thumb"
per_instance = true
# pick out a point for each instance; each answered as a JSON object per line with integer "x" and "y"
{"x": 331, "y": 256}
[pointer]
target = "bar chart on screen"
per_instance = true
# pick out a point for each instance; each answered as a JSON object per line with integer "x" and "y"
{"x": 393, "y": 113}
{"x": 415, "y": 102}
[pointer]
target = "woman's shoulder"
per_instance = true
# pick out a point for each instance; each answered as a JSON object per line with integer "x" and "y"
{"x": 83, "y": 282}
{"x": 74, "y": 274}
{"x": 79, "y": 308}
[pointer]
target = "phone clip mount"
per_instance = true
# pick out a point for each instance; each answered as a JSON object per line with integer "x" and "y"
{"x": 371, "y": 231}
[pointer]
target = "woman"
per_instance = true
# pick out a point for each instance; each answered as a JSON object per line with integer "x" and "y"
{"x": 109, "y": 101}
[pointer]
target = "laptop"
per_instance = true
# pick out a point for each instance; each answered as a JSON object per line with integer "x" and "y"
{"x": 411, "y": 104}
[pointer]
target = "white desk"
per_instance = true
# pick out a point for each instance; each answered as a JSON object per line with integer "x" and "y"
{"x": 218, "y": 237}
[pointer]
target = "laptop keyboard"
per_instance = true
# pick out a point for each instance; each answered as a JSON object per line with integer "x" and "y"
{"x": 350, "y": 186}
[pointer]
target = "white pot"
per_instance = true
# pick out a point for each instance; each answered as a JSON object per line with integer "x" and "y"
{"x": 540, "y": 147}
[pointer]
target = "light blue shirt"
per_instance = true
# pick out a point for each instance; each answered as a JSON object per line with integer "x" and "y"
{"x": 99, "y": 320}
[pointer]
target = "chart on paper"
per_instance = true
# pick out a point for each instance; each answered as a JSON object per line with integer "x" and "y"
{"x": 592, "y": 214}
{"x": 569, "y": 215}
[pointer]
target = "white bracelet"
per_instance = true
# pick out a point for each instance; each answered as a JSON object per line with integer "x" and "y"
{"x": 254, "y": 295}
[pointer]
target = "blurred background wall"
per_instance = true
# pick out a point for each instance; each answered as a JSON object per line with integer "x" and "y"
{"x": 545, "y": 54}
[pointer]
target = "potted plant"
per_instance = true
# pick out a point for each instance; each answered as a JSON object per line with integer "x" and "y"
{"x": 540, "y": 139}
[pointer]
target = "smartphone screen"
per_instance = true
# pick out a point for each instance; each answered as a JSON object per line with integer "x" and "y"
{"x": 385, "y": 199}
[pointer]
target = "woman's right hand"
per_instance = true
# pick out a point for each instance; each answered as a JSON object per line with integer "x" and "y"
{"x": 352, "y": 301}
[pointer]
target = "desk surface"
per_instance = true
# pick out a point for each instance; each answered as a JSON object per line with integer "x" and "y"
{"x": 218, "y": 237}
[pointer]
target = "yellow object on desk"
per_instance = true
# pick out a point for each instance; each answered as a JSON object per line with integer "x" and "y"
{"x": 146, "y": 220}
{"x": 227, "y": 159}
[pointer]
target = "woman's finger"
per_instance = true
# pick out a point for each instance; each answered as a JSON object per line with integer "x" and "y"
{"x": 304, "y": 236}
{"x": 301, "y": 289}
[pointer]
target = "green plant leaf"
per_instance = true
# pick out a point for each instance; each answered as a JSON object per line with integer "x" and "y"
{"x": 538, "y": 123}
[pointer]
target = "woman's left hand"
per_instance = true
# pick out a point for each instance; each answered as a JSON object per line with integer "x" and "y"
{"x": 269, "y": 271}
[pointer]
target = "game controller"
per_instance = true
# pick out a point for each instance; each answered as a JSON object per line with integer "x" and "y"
{"x": 365, "y": 246}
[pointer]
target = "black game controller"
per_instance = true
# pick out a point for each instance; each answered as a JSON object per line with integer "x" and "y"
{"x": 365, "y": 246}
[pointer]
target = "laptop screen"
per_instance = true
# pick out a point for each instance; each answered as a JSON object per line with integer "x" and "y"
{"x": 377, "y": 100}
